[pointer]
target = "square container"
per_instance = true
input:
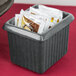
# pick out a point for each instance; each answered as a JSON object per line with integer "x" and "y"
{"x": 38, "y": 52}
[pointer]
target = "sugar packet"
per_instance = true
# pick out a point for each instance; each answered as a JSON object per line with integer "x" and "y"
{"x": 16, "y": 19}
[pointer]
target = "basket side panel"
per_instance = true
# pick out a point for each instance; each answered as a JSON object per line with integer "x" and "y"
{"x": 26, "y": 52}
{"x": 55, "y": 47}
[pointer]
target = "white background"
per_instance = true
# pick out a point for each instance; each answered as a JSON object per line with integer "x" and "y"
{"x": 50, "y": 2}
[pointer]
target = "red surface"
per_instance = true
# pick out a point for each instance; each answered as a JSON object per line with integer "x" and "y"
{"x": 64, "y": 67}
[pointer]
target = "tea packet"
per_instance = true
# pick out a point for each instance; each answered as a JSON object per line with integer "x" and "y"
{"x": 38, "y": 20}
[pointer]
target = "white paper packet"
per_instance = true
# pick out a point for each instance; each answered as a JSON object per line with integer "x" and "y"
{"x": 51, "y": 11}
{"x": 20, "y": 18}
{"x": 37, "y": 19}
{"x": 46, "y": 15}
{"x": 37, "y": 12}
{"x": 16, "y": 19}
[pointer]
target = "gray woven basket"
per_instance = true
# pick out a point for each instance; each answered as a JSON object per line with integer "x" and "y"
{"x": 38, "y": 52}
{"x": 5, "y": 5}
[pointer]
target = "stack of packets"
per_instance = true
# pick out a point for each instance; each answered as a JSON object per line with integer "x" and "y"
{"x": 39, "y": 19}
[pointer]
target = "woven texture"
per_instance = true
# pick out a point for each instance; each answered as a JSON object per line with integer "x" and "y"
{"x": 38, "y": 56}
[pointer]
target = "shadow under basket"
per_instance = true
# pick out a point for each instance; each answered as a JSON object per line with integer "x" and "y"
{"x": 38, "y": 52}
